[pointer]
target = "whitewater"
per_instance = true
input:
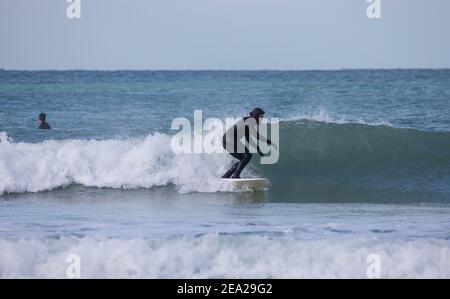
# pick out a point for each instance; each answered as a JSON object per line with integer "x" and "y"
{"x": 372, "y": 162}
{"x": 363, "y": 176}
{"x": 149, "y": 235}
{"x": 130, "y": 163}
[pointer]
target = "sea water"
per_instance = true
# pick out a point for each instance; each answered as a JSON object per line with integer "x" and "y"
{"x": 364, "y": 172}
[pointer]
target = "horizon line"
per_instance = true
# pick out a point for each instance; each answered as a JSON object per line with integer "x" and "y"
{"x": 221, "y": 70}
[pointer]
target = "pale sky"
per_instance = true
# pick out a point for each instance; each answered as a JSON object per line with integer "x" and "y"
{"x": 224, "y": 34}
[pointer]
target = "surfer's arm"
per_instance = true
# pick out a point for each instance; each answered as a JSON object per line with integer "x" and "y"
{"x": 253, "y": 131}
{"x": 264, "y": 139}
{"x": 260, "y": 137}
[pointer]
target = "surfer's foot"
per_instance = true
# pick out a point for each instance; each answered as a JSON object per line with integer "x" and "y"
{"x": 235, "y": 177}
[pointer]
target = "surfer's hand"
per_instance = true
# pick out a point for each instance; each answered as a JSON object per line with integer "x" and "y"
{"x": 261, "y": 153}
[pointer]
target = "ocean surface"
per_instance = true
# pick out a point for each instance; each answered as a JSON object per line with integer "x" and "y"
{"x": 364, "y": 171}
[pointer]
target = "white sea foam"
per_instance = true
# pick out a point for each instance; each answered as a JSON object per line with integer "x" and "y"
{"x": 322, "y": 115}
{"x": 214, "y": 256}
{"x": 132, "y": 163}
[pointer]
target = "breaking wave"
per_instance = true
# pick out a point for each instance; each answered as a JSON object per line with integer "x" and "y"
{"x": 217, "y": 256}
{"x": 319, "y": 161}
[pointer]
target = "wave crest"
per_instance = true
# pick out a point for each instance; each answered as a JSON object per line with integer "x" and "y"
{"x": 131, "y": 163}
{"x": 319, "y": 161}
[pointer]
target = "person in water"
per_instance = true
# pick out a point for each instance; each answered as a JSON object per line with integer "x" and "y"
{"x": 246, "y": 127}
{"x": 43, "y": 125}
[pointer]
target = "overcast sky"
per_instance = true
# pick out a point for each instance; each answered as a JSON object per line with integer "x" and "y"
{"x": 224, "y": 34}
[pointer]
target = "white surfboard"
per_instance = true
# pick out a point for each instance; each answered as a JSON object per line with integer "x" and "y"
{"x": 249, "y": 183}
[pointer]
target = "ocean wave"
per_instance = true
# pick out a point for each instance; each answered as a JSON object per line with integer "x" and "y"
{"x": 123, "y": 163}
{"x": 216, "y": 256}
{"x": 319, "y": 161}
{"x": 323, "y": 116}
{"x": 332, "y": 161}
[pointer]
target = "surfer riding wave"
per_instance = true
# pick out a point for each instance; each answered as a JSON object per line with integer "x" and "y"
{"x": 246, "y": 128}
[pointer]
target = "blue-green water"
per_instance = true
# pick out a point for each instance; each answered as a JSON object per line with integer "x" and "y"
{"x": 345, "y": 135}
{"x": 364, "y": 168}
{"x": 89, "y": 104}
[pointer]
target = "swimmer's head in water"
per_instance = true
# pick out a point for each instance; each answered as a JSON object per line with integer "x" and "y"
{"x": 42, "y": 117}
{"x": 257, "y": 113}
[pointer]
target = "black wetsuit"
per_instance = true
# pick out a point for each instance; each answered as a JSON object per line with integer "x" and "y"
{"x": 44, "y": 126}
{"x": 244, "y": 157}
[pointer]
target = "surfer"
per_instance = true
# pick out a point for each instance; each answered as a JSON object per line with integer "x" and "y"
{"x": 246, "y": 127}
{"x": 43, "y": 124}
